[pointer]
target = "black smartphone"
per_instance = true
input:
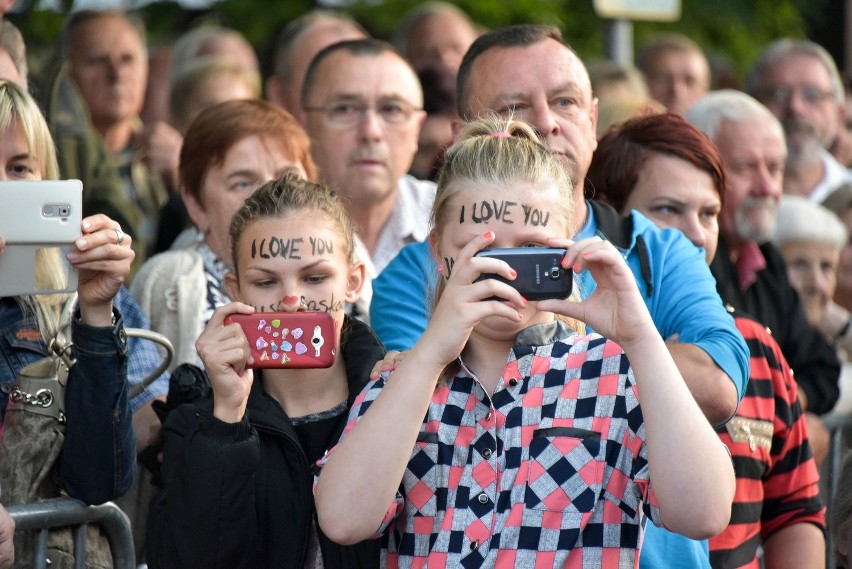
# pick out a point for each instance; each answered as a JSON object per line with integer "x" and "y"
{"x": 540, "y": 273}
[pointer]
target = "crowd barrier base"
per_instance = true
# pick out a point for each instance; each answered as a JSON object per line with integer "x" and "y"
{"x": 41, "y": 517}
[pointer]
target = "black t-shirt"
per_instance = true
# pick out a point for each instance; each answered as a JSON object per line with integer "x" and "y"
{"x": 316, "y": 431}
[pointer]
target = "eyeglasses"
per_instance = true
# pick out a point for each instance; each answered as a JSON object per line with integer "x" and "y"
{"x": 346, "y": 113}
{"x": 781, "y": 95}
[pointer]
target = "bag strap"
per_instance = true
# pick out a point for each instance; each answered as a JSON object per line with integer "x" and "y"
{"x": 156, "y": 337}
{"x": 60, "y": 345}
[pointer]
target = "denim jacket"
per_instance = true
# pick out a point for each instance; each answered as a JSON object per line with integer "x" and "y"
{"x": 98, "y": 456}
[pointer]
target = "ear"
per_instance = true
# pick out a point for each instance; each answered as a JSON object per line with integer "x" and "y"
{"x": 232, "y": 285}
{"x": 274, "y": 90}
{"x": 195, "y": 210}
{"x": 593, "y": 116}
{"x": 355, "y": 282}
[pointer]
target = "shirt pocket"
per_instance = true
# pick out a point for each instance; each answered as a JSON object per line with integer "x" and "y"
{"x": 564, "y": 473}
{"x": 421, "y": 477}
{"x": 22, "y": 345}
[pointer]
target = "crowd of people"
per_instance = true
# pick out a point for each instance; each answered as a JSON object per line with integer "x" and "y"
{"x": 671, "y": 412}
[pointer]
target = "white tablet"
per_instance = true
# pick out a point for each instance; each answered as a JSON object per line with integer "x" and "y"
{"x": 33, "y": 216}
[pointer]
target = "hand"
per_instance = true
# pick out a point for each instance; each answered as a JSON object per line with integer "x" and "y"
{"x": 615, "y": 309}
{"x": 158, "y": 147}
{"x": 389, "y": 363}
{"x": 226, "y": 355}
{"x": 7, "y": 532}
{"x": 103, "y": 256}
{"x": 463, "y": 303}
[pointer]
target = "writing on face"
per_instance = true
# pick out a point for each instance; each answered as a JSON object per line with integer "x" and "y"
{"x": 504, "y": 211}
{"x": 290, "y": 248}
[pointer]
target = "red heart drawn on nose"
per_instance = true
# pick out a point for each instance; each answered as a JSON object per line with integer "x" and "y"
{"x": 291, "y": 300}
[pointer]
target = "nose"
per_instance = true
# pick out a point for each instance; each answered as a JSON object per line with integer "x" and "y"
{"x": 543, "y": 120}
{"x": 765, "y": 183}
{"x": 291, "y": 302}
{"x": 370, "y": 127}
{"x": 694, "y": 231}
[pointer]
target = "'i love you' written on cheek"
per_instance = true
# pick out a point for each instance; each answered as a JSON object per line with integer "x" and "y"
{"x": 276, "y": 247}
{"x": 504, "y": 211}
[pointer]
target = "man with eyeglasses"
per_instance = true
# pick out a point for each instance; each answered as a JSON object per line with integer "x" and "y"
{"x": 798, "y": 81}
{"x": 362, "y": 107}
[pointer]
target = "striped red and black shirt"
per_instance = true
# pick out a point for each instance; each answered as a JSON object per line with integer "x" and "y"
{"x": 777, "y": 479}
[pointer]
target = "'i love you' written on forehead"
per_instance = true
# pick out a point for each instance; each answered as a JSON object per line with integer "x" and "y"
{"x": 504, "y": 211}
{"x": 290, "y": 248}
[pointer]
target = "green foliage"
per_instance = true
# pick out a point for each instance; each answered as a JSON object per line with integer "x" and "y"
{"x": 737, "y": 29}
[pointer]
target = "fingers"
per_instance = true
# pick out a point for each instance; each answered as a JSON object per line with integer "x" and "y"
{"x": 388, "y": 364}
{"x": 221, "y": 346}
{"x": 219, "y": 315}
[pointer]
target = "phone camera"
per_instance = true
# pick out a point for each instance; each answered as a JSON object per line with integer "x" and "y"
{"x": 554, "y": 273}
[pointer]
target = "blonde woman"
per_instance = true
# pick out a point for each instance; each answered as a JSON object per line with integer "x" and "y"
{"x": 97, "y": 409}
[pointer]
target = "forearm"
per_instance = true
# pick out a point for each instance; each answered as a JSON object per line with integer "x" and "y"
{"x": 99, "y": 417}
{"x": 712, "y": 389}
{"x": 690, "y": 470}
{"x": 364, "y": 472}
{"x": 795, "y": 546}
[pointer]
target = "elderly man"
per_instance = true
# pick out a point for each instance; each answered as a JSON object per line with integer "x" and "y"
{"x": 106, "y": 60}
{"x": 798, "y": 81}
{"x": 676, "y": 71}
{"x": 296, "y": 46}
{"x": 362, "y": 107}
{"x": 435, "y": 35}
{"x": 750, "y": 273}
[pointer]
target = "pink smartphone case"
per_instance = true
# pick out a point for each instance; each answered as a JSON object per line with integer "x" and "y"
{"x": 288, "y": 339}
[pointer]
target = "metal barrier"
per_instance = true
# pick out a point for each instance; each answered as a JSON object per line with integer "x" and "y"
{"x": 63, "y": 512}
{"x": 837, "y": 425}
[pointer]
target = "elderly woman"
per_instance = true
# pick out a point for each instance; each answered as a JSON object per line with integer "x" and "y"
{"x": 230, "y": 150}
{"x": 811, "y": 239}
{"x": 671, "y": 172}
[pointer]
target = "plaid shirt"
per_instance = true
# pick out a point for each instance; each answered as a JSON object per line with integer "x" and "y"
{"x": 550, "y": 471}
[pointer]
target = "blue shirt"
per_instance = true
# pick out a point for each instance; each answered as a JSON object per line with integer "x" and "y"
{"x": 683, "y": 288}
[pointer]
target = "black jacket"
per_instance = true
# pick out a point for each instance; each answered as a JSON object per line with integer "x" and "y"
{"x": 240, "y": 495}
{"x": 774, "y": 302}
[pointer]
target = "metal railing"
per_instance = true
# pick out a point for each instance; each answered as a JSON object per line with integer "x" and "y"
{"x": 837, "y": 425}
{"x": 40, "y": 517}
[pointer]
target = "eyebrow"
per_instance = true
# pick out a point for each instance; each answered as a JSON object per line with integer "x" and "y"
{"x": 241, "y": 173}
{"x": 569, "y": 86}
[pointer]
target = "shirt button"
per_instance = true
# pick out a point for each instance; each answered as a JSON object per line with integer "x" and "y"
{"x": 486, "y": 453}
{"x": 488, "y": 416}
{"x": 474, "y": 545}
{"x": 513, "y": 382}
{"x": 483, "y": 498}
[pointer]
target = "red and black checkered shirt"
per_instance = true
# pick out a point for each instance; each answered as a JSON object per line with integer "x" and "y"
{"x": 550, "y": 471}
{"x": 777, "y": 480}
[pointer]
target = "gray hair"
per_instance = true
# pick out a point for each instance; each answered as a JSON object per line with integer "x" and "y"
{"x": 76, "y": 19}
{"x": 800, "y": 219}
{"x": 416, "y": 15}
{"x": 716, "y": 107}
{"x": 785, "y": 48}
{"x": 12, "y": 42}
{"x": 290, "y": 34}
{"x": 189, "y": 46}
